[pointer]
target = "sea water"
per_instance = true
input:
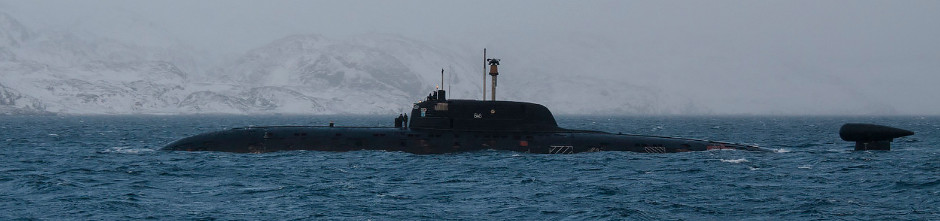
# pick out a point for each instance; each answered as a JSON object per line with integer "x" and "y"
{"x": 110, "y": 167}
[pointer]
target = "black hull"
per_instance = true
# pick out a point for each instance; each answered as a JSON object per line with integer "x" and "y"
{"x": 429, "y": 141}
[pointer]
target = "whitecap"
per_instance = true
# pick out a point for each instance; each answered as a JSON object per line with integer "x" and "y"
{"x": 805, "y": 167}
{"x": 781, "y": 150}
{"x": 742, "y": 160}
{"x": 128, "y": 150}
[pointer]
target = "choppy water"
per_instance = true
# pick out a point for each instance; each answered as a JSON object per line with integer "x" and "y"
{"x": 108, "y": 168}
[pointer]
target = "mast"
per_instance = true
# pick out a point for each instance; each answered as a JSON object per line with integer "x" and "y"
{"x": 493, "y": 72}
{"x": 484, "y": 74}
{"x": 442, "y": 80}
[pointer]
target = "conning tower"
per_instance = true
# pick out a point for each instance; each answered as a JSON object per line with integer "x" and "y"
{"x": 438, "y": 113}
{"x": 474, "y": 115}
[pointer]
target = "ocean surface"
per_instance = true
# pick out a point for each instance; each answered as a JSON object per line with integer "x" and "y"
{"x": 110, "y": 167}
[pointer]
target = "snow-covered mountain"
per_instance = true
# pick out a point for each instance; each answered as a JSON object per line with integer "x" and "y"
{"x": 79, "y": 72}
{"x": 360, "y": 75}
{"x": 62, "y": 72}
{"x": 12, "y": 101}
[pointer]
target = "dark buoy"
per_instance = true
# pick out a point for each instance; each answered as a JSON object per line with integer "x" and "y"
{"x": 871, "y": 136}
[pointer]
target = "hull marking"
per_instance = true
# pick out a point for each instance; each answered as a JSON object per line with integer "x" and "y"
{"x": 561, "y": 149}
{"x": 655, "y": 149}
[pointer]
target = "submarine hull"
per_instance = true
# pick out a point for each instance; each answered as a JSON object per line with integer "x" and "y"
{"x": 421, "y": 141}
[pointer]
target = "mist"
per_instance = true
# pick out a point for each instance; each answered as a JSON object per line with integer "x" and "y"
{"x": 711, "y": 57}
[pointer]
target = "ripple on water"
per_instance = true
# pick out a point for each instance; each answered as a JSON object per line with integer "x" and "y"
{"x": 742, "y": 160}
{"x": 127, "y": 150}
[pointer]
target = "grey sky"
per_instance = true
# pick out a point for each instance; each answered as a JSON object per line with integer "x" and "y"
{"x": 747, "y": 56}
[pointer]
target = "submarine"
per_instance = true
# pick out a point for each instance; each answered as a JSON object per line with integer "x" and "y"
{"x": 440, "y": 125}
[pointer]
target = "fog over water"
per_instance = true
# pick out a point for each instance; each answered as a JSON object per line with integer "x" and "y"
{"x": 721, "y": 57}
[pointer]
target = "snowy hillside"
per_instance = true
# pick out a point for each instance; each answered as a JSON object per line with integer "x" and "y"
{"x": 66, "y": 73}
{"x": 362, "y": 75}
{"x": 76, "y": 72}
{"x": 144, "y": 71}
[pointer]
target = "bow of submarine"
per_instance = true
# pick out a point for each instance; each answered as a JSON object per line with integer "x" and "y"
{"x": 242, "y": 140}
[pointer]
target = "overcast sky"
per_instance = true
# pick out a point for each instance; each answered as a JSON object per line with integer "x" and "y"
{"x": 804, "y": 57}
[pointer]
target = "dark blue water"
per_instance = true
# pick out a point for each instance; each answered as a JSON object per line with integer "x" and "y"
{"x": 94, "y": 168}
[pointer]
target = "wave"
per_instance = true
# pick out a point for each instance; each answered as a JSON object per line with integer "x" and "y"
{"x": 127, "y": 150}
{"x": 742, "y": 160}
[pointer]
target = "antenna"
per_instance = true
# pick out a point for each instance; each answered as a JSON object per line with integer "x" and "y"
{"x": 484, "y": 74}
{"x": 442, "y": 79}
